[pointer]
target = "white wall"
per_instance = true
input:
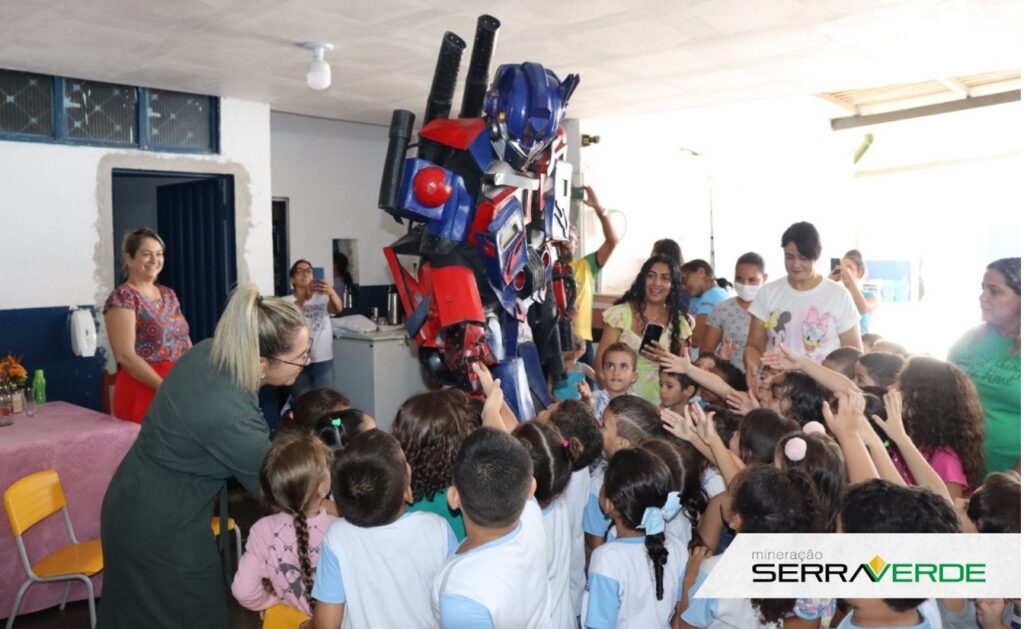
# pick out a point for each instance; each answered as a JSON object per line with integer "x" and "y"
{"x": 58, "y": 241}
{"x": 768, "y": 164}
{"x": 330, "y": 172}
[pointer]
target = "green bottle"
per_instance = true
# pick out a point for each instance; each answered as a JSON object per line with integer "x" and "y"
{"x": 39, "y": 387}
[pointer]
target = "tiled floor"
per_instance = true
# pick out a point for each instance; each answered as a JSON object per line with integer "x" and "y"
{"x": 243, "y": 508}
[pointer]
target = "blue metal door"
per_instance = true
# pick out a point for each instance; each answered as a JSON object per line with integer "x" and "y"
{"x": 197, "y": 223}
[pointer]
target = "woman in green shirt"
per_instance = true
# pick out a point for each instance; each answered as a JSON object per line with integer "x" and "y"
{"x": 990, "y": 355}
{"x": 430, "y": 428}
{"x": 204, "y": 426}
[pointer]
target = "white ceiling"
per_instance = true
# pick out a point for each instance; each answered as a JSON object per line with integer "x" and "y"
{"x": 632, "y": 56}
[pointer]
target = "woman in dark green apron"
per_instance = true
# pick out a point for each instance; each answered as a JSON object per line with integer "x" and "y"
{"x": 204, "y": 426}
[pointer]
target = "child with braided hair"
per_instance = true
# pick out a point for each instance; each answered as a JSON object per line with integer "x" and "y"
{"x": 282, "y": 551}
{"x": 622, "y": 588}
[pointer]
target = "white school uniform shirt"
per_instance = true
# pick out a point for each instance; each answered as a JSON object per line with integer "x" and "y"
{"x": 502, "y": 584}
{"x": 595, "y": 522}
{"x": 808, "y": 321}
{"x": 930, "y": 618}
{"x": 558, "y": 531}
{"x": 621, "y": 591}
{"x": 576, "y": 494}
{"x": 721, "y": 613}
{"x": 384, "y": 574}
{"x": 712, "y": 481}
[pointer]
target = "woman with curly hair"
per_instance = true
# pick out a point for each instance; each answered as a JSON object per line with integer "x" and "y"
{"x": 430, "y": 427}
{"x": 943, "y": 418}
{"x": 990, "y": 354}
{"x": 655, "y": 297}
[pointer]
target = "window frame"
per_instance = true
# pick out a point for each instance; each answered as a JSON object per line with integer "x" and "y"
{"x": 143, "y": 142}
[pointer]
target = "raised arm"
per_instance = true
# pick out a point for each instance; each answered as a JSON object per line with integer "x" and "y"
{"x": 611, "y": 239}
{"x": 920, "y": 469}
{"x": 757, "y": 340}
{"x": 788, "y": 359}
{"x": 845, "y": 425}
{"x": 682, "y": 365}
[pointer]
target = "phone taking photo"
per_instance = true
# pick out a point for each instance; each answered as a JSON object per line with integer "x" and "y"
{"x": 652, "y": 334}
{"x": 836, "y": 263}
{"x": 318, "y": 273}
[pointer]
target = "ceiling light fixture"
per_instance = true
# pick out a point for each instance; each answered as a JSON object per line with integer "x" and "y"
{"x": 318, "y": 73}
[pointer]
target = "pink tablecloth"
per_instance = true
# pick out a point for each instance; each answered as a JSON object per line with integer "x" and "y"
{"x": 85, "y": 447}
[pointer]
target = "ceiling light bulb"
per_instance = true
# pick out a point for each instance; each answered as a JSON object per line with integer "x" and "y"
{"x": 318, "y": 73}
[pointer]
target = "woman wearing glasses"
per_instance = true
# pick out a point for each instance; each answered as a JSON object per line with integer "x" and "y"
{"x": 318, "y": 300}
{"x": 161, "y": 567}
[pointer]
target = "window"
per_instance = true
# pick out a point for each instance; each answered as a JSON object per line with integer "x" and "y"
{"x": 40, "y": 108}
{"x": 179, "y": 120}
{"x": 26, "y": 104}
{"x": 100, "y": 112}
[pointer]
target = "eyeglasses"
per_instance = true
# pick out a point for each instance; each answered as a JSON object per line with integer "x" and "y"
{"x": 306, "y": 357}
{"x": 304, "y": 270}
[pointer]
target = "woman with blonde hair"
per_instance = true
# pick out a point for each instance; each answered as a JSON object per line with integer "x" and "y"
{"x": 146, "y": 329}
{"x": 161, "y": 567}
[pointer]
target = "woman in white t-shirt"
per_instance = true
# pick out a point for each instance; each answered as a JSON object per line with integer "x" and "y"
{"x": 317, "y": 300}
{"x": 804, "y": 310}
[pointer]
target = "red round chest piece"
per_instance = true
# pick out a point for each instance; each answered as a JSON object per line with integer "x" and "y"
{"x": 430, "y": 187}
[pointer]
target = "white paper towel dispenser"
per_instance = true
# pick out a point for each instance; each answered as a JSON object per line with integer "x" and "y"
{"x": 83, "y": 333}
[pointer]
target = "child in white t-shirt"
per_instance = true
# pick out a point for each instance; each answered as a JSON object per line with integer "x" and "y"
{"x": 635, "y": 579}
{"x": 574, "y": 419}
{"x": 553, "y": 455}
{"x": 498, "y": 577}
{"x": 377, "y": 549}
{"x": 629, "y": 420}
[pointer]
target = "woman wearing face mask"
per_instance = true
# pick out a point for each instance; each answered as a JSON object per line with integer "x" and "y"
{"x": 729, "y": 322}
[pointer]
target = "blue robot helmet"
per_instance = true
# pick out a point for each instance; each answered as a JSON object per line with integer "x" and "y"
{"x": 528, "y": 102}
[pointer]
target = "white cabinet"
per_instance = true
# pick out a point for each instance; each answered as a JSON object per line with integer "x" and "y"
{"x": 377, "y": 371}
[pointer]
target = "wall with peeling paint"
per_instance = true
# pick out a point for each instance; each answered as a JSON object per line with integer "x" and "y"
{"x": 56, "y": 226}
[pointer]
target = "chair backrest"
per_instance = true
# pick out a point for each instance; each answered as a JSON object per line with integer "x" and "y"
{"x": 32, "y": 498}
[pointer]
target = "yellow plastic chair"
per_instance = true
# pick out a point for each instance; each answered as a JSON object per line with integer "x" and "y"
{"x": 233, "y": 528}
{"x": 30, "y": 500}
{"x": 283, "y": 617}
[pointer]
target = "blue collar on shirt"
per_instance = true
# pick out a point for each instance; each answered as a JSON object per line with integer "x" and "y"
{"x": 508, "y": 537}
{"x": 627, "y": 540}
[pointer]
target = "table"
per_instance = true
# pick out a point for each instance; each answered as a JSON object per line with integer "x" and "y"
{"x": 85, "y": 447}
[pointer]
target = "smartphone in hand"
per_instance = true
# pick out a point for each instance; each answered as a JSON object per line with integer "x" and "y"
{"x": 318, "y": 273}
{"x": 652, "y": 334}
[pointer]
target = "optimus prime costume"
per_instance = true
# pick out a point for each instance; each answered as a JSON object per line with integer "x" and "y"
{"x": 487, "y": 198}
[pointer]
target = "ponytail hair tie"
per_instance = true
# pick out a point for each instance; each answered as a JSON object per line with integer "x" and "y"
{"x": 654, "y": 518}
{"x": 814, "y": 427}
{"x": 795, "y": 449}
{"x": 565, "y": 443}
{"x": 336, "y": 422}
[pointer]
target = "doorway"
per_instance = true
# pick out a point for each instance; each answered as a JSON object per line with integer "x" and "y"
{"x": 195, "y": 216}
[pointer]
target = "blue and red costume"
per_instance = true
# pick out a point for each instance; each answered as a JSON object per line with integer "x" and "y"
{"x": 487, "y": 199}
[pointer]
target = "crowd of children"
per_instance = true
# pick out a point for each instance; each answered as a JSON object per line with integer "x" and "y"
{"x": 608, "y": 511}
